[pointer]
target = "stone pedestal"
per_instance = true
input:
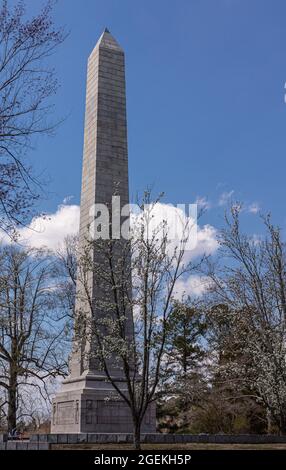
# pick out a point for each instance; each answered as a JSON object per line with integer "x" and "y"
{"x": 89, "y": 404}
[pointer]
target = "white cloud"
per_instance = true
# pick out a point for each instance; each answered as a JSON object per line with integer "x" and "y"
{"x": 51, "y": 231}
{"x": 193, "y": 286}
{"x": 67, "y": 199}
{"x": 203, "y": 202}
{"x": 225, "y": 197}
{"x": 201, "y": 240}
{"x": 253, "y": 208}
{"x": 207, "y": 241}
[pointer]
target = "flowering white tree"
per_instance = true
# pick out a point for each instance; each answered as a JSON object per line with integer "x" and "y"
{"x": 249, "y": 290}
{"x": 152, "y": 265}
{"x": 33, "y": 336}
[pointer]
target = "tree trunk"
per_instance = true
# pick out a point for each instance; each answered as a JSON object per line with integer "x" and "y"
{"x": 12, "y": 399}
{"x": 269, "y": 422}
{"x": 137, "y": 435}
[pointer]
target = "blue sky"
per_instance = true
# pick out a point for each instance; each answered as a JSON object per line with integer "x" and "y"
{"x": 205, "y": 98}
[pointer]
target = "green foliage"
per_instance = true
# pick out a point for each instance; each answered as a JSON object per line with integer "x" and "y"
{"x": 187, "y": 328}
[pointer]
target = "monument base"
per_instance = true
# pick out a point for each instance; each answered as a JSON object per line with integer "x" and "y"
{"x": 89, "y": 404}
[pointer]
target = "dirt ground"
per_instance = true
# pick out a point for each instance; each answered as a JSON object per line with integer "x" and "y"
{"x": 170, "y": 447}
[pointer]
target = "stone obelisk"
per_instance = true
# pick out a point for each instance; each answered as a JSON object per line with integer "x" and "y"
{"x": 85, "y": 402}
